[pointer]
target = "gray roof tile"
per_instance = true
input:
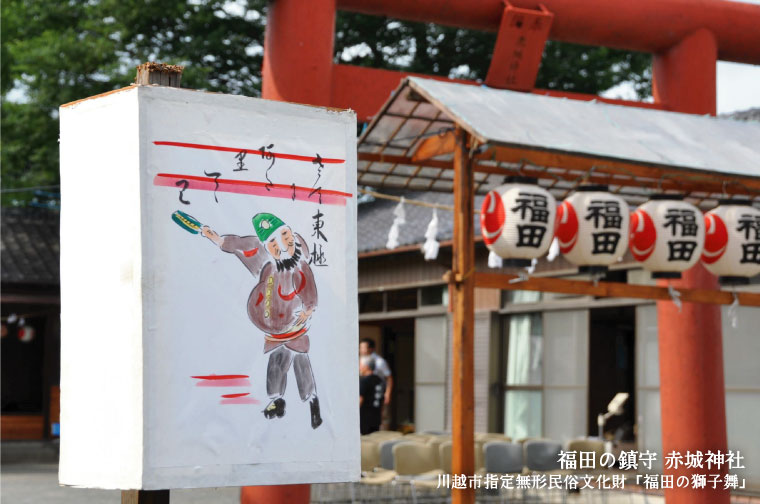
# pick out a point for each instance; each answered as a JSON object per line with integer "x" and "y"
{"x": 30, "y": 246}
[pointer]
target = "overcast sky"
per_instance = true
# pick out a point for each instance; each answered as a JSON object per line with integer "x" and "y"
{"x": 738, "y": 85}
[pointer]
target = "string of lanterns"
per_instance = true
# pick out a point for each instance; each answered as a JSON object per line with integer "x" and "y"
{"x": 594, "y": 228}
{"x": 25, "y": 333}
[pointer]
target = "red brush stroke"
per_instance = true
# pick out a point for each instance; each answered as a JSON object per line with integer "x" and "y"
{"x": 221, "y": 377}
{"x": 237, "y": 382}
{"x": 288, "y": 335}
{"x": 236, "y": 395}
{"x": 240, "y": 400}
{"x": 288, "y": 297}
{"x": 329, "y": 197}
{"x": 251, "y": 253}
{"x": 277, "y": 155}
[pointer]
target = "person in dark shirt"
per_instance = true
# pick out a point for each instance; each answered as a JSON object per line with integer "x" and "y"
{"x": 371, "y": 394}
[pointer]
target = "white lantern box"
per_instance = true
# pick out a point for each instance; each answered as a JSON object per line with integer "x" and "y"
{"x": 732, "y": 241}
{"x": 592, "y": 228}
{"x": 517, "y": 221}
{"x": 667, "y": 235}
{"x": 175, "y": 205}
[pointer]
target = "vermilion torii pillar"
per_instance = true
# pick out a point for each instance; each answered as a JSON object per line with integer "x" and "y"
{"x": 692, "y": 391}
{"x": 686, "y": 41}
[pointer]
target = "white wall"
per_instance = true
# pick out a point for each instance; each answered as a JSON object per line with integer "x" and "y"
{"x": 430, "y": 372}
{"x": 649, "y": 433}
{"x": 741, "y": 368}
{"x": 565, "y": 403}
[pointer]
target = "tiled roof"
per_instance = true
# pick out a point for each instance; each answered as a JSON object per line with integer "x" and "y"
{"x": 752, "y": 114}
{"x": 30, "y": 246}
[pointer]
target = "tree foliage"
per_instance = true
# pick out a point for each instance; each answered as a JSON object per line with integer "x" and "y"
{"x": 54, "y": 52}
{"x": 458, "y": 53}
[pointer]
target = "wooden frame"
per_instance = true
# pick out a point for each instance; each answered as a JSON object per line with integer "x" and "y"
{"x": 462, "y": 295}
{"x": 404, "y": 155}
{"x": 611, "y": 289}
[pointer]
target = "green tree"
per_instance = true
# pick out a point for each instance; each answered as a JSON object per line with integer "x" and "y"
{"x": 454, "y": 52}
{"x": 56, "y": 52}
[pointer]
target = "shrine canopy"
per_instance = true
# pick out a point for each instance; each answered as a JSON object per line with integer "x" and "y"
{"x": 563, "y": 142}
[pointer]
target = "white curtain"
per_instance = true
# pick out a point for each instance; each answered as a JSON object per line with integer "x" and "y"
{"x": 522, "y": 408}
{"x": 523, "y": 296}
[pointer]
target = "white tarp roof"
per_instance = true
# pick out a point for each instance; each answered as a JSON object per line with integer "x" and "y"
{"x": 421, "y": 108}
{"x": 599, "y": 129}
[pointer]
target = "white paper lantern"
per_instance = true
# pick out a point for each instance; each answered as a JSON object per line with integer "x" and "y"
{"x": 517, "y": 221}
{"x": 667, "y": 235}
{"x": 26, "y": 334}
{"x": 592, "y": 228}
{"x": 732, "y": 241}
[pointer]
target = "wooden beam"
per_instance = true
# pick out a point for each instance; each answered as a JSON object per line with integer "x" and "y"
{"x": 27, "y": 298}
{"x": 435, "y": 146}
{"x": 22, "y": 427}
{"x": 463, "y": 304}
{"x": 404, "y": 160}
{"x": 159, "y": 73}
{"x": 598, "y": 171}
{"x": 610, "y": 289}
{"x": 659, "y": 177}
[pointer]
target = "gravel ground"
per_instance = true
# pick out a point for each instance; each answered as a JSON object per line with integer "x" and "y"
{"x": 38, "y": 483}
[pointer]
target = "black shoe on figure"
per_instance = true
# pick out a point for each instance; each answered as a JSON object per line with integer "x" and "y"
{"x": 316, "y": 419}
{"x": 275, "y": 408}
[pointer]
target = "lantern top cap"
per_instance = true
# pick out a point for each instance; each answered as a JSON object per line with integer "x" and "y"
{"x": 593, "y": 188}
{"x": 672, "y": 197}
{"x": 739, "y": 202}
{"x": 520, "y": 179}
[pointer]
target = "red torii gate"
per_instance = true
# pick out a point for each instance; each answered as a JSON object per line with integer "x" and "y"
{"x": 685, "y": 37}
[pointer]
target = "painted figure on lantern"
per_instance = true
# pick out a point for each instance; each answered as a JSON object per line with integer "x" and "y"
{"x": 280, "y": 305}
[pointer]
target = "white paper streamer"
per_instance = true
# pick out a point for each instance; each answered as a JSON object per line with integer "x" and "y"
{"x": 431, "y": 246}
{"x": 553, "y": 250}
{"x": 398, "y": 221}
{"x": 676, "y": 297}
{"x": 733, "y": 311}
{"x": 530, "y": 269}
{"x": 522, "y": 276}
{"x": 494, "y": 261}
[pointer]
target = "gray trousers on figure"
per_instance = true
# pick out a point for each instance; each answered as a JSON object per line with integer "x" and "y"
{"x": 277, "y": 373}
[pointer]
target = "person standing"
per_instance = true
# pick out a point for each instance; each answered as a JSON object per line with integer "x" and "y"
{"x": 367, "y": 349}
{"x": 371, "y": 393}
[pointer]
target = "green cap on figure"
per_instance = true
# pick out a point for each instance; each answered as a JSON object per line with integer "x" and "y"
{"x": 265, "y": 224}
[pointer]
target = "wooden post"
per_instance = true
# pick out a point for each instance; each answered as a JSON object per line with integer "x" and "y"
{"x": 170, "y": 76}
{"x": 159, "y": 73}
{"x": 145, "y": 497}
{"x": 463, "y": 269}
